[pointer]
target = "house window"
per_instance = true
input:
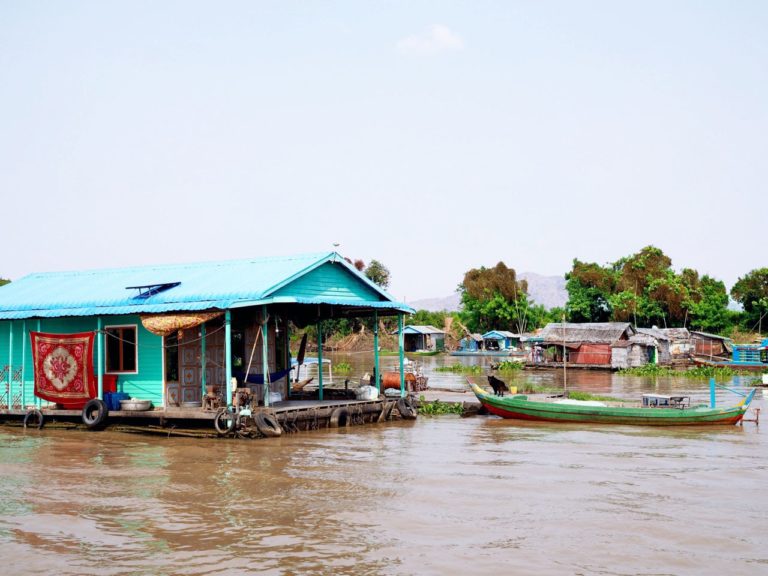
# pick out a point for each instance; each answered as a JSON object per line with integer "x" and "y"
{"x": 121, "y": 349}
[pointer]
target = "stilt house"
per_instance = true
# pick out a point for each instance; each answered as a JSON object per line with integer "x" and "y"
{"x": 167, "y": 333}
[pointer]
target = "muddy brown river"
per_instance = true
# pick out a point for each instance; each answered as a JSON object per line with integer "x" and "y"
{"x": 440, "y": 495}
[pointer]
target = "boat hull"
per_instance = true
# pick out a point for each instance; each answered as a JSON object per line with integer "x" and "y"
{"x": 752, "y": 366}
{"x": 494, "y": 353}
{"x": 519, "y": 408}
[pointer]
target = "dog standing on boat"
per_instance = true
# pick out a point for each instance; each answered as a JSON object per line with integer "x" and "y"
{"x": 499, "y": 386}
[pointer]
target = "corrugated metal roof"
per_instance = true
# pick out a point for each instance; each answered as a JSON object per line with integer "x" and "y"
{"x": 223, "y": 284}
{"x": 497, "y": 334}
{"x": 666, "y": 333}
{"x": 413, "y": 329}
{"x": 594, "y": 332}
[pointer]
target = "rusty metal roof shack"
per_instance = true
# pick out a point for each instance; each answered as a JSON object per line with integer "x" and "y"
{"x": 586, "y": 333}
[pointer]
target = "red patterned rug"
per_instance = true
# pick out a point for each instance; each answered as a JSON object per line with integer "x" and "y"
{"x": 64, "y": 368}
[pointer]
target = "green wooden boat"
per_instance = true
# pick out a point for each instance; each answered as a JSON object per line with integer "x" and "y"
{"x": 676, "y": 413}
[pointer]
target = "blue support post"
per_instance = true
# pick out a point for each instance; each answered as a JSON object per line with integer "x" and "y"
{"x": 99, "y": 359}
{"x": 376, "y": 350}
{"x": 38, "y": 401}
{"x": 401, "y": 347}
{"x": 319, "y": 361}
{"x": 203, "y": 361}
{"x": 23, "y": 360}
{"x": 265, "y": 352}
{"x": 228, "y": 357}
{"x": 711, "y": 392}
{"x": 10, "y": 364}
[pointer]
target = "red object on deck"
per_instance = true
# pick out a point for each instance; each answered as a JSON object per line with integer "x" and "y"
{"x": 109, "y": 383}
{"x": 392, "y": 379}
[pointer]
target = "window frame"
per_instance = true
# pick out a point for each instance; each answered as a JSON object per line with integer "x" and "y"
{"x": 135, "y": 349}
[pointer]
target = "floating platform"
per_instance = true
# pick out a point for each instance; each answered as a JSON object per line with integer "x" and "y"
{"x": 291, "y": 416}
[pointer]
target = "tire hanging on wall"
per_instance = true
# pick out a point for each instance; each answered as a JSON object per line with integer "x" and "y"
{"x": 95, "y": 413}
{"x": 339, "y": 417}
{"x": 406, "y": 408}
{"x": 224, "y": 421}
{"x": 34, "y": 419}
{"x": 267, "y": 425}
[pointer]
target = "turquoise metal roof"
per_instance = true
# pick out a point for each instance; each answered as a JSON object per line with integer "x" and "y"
{"x": 222, "y": 285}
{"x": 414, "y": 329}
{"x": 499, "y": 334}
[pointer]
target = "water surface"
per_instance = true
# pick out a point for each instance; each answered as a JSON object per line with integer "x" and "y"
{"x": 436, "y": 496}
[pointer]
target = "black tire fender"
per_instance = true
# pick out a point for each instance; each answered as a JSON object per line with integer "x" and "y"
{"x": 34, "y": 419}
{"x": 267, "y": 425}
{"x": 339, "y": 417}
{"x": 95, "y": 413}
{"x": 406, "y": 409}
{"x": 224, "y": 421}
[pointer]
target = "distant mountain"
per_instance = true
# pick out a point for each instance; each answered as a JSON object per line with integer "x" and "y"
{"x": 548, "y": 291}
{"x": 449, "y": 303}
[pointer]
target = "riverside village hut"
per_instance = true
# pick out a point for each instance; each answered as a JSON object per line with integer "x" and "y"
{"x": 501, "y": 340}
{"x": 471, "y": 343}
{"x": 167, "y": 333}
{"x": 638, "y": 350}
{"x": 586, "y": 344}
{"x": 423, "y": 339}
{"x": 711, "y": 346}
{"x": 673, "y": 345}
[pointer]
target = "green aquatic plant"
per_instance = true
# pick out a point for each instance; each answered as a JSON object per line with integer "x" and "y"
{"x": 701, "y": 372}
{"x": 460, "y": 369}
{"x": 509, "y": 366}
{"x": 438, "y": 408}
{"x": 343, "y": 367}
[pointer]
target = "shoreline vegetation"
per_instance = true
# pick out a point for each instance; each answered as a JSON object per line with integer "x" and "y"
{"x": 699, "y": 372}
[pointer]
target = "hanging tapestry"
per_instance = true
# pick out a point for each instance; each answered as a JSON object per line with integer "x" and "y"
{"x": 167, "y": 324}
{"x": 63, "y": 366}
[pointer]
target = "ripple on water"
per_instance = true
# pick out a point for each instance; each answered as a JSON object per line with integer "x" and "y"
{"x": 438, "y": 496}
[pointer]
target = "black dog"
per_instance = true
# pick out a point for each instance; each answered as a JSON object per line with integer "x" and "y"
{"x": 499, "y": 386}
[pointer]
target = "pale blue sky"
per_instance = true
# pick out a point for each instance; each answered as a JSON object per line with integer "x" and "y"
{"x": 433, "y": 136}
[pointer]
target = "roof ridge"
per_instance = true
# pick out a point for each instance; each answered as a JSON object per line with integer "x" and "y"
{"x": 180, "y": 265}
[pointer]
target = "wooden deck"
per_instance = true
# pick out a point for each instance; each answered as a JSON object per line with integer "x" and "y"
{"x": 292, "y": 415}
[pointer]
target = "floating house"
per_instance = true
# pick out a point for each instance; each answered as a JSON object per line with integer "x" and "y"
{"x": 470, "y": 343}
{"x": 751, "y": 353}
{"x": 423, "y": 339}
{"x": 745, "y": 357}
{"x": 711, "y": 346}
{"x": 501, "y": 340}
{"x": 170, "y": 334}
{"x": 637, "y": 350}
{"x": 585, "y": 344}
{"x": 673, "y": 345}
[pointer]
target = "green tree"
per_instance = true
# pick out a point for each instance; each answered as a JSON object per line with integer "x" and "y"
{"x": 751, "y": 291}
{"x": 589, "y": 287}
{"x": 4, "y": 281}
{"x": 426, "y": 318}
{"x": 377, "y": 273}
{"x": 493, "y": 298}
{"x": 644, "y": 289}
{"x": 709, "y": 306}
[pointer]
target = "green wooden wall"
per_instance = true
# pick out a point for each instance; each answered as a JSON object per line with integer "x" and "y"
{"x": 146, "y": 384}
{"x": 331, "y": 282}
